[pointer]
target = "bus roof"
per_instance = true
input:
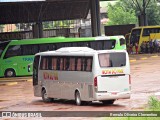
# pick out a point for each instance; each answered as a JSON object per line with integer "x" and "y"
{"x": 77, "y": 51}
{"x": 61, "y": 39}
{"x": 50, "y": 40}
{"x": 147, "y": 27}
{"x": 109, "y": 37}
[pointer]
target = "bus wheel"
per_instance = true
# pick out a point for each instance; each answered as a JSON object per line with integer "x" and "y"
{"x": 10, "y": 73}
{"x": 108, "y": 102}
{"x": 78, "y": 98}
{"x": 45, "y": 96}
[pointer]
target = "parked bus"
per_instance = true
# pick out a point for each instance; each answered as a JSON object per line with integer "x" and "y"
{"x": 144, "y": 33}
{"x": 17, "y": 54}
{"x": 82, "y": 74}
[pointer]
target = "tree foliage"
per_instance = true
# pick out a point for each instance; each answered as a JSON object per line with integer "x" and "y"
{"x": 153, "y": 14}
{"x": 118, "y": 15}
{"x": 55, "y": 24}
{"x": 127, "y": 11}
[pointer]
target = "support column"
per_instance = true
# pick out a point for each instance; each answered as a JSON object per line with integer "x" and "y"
{"x": 95, "y": 18}
{"x": 37, "y": 30}
{"x": 98, "y": 17}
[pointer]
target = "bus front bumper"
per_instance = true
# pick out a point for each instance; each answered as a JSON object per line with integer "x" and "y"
{"x": 112, "y": 96}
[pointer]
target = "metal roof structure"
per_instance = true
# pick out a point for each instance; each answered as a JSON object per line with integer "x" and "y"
{"x": 47, "y": 10}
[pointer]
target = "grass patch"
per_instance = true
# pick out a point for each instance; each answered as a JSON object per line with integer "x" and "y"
{"x": 153, "y": 105}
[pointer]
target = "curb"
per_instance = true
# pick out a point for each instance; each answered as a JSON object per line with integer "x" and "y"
{"x": 133, "y": 60}
{"x": 30, "y": 80}
{"x": 143, "y": 58}
{"x": 8, "y": 84}
{"x": 1, "y": 81}
{"x": 155, "y": 56}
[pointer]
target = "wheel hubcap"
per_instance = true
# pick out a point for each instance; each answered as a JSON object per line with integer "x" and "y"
{"x": 45, "y": 96}
{"x": 10, "y": 73}
{"x": 78, "y": 99}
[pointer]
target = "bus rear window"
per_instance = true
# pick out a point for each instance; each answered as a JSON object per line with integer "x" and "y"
{"x": 103, "y": 44}
{"x": 112, "y": 59}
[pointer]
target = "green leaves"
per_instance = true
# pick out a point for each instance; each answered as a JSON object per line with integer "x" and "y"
{"x": 127, "y": 11}
{"x": 118, "y": 15}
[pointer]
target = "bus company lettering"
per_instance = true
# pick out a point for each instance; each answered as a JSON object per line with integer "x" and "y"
{"x": 114, "y": 71}
{"x": 28, "y": 59}
{"x": 50, "y": 76}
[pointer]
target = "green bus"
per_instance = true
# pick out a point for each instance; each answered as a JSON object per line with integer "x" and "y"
{"x": 16, "y": 55}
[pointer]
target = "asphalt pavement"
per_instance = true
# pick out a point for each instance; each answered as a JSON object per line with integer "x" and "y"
{"x": 135, "y": 57}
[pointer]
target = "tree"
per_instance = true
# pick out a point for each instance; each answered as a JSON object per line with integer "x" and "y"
{"x": 153, "y": 12}
{"x": 134, "y": 8}
{"x": 118, "y": 15}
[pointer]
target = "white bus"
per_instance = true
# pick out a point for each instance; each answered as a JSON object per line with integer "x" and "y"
{"x": 82, "y": 74}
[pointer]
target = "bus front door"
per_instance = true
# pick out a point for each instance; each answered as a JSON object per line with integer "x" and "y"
{"x": 36, "y": 84}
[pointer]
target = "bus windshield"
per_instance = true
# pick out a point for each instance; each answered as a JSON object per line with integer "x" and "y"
{"x": 110, "y": 59}
{"x": 135, "y": 35}
{"x": 2, "y": 47}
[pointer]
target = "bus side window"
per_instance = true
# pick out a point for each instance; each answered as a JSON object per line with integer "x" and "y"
{"x": 74, "y": 44}
{"x": 43, "y": 47}
{"x": 58, "y": 63}
{"x": 83, "y": 65}
{"x": 122, "y": 41}
{"x": 68, "y": 44}
{"x": 79, "y": 64}
{"x": 66, "y": 63}
{"x": 35, "y": 49}
{"x": 60, "y": 45}
{"x": 89, "y": 64}
{"x": 72, "y": 64}
{"x": 54, "y": 63}
{"x": 61, "y": 63}
{"x": 13, "y": 51}
{"x": 29, "y": 49}
{"x": 52, "y": 47}
{"x": 44, "y": 63}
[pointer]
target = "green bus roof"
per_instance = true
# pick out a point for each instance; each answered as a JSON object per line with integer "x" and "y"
{"x": 50, "y": 40}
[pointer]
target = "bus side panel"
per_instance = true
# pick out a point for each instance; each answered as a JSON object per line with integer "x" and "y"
{"x": 49, "y": 81}
{"x": 37, "y": 90}
{"x": 75, "y": 80}
{"x": 63, "y": 84}
{"x": 19, "y": 64}
{"x": 23, "y": 62}
{"x": 9, "y": 63}
{"x": 1, "y": 68}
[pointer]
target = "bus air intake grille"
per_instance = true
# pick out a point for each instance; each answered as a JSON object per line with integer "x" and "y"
{"x": 90, "y": 91}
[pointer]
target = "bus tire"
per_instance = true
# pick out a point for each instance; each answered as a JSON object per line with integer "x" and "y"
{"x": 44, "y": 96}
{"x": 9, "y": 73}
{"x": 78, "y": 99}
{"x": 107, "y": 102}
